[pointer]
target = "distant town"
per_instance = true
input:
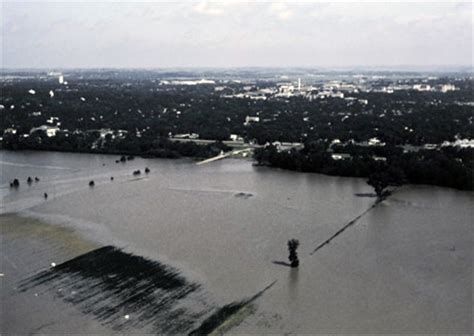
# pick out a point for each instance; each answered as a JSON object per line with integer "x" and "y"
{"x": 332, "y": 122}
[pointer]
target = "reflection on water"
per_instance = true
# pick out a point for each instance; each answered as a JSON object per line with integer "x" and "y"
{"x": 223, "y": 224}
{"x": 293, "y": 285}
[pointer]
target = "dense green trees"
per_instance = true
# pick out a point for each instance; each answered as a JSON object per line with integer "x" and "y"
{"x": 147, "y": 112}
{"x": 138, "y": 103}
{"x": 448, "y": 167}
{"x": 144, "y": 146}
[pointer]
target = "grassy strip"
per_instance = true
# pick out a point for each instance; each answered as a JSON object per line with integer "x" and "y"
{"x": 230, "y": 314}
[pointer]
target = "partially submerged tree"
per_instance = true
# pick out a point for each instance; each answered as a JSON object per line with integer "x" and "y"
{"x": 293, "y": 257}
{"x": 381, "y": 179}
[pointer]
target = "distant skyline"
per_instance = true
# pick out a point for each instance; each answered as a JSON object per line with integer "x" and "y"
{"x": 189, "y": 34}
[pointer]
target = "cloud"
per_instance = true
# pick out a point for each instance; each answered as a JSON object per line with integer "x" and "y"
{"x": 208, "y": 8}
{"x": 217, "y": 8}
{"x": 281, "y": 10}
{"x": 234, "y": 33}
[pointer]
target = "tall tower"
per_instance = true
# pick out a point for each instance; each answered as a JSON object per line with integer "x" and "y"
{"x": 299, "y": 84}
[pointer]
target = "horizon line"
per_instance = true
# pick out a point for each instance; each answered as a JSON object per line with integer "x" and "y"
{"x": 281, "y": 67}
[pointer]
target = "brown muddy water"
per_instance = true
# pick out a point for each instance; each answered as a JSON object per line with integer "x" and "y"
{"x": 190, "y": 248}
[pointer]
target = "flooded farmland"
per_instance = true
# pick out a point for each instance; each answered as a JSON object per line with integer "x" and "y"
{"x": 195, "y": 249}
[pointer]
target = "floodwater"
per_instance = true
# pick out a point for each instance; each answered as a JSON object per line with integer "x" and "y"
{"x": 405, "y": 267}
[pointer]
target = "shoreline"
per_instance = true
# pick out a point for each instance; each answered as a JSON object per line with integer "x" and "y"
{"x": 254, "y": 162}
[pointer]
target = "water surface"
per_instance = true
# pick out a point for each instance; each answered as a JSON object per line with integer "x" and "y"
{"x": 405, "y": 267}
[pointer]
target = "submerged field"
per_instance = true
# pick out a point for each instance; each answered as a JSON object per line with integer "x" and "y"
{"x": 181, "y": 250}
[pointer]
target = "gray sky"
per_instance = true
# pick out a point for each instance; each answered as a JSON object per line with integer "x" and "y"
{"x": 234, "y": 33}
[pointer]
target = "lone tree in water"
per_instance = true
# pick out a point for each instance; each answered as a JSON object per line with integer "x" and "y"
{"x": 380, "y": 180}
{"x": 292, "y": 246}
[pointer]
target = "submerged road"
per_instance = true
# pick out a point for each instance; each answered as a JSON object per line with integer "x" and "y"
{"x": 224, "y": 155}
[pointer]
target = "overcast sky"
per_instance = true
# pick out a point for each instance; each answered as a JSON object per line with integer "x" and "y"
{"x": 228, "y": 34}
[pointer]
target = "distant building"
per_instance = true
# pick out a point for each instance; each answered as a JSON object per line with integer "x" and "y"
{"x": 186, "y": 136}
{"x": 341, "y": 156}
{"x": 447, "y": 87}
{"x": 326, "y": 94}
{"x": 286, "y": 88}
{"x": 192, "y": 82}
{"x": 9, "y": 131}
{"x": 430, "y": 146}
{"x": 49, "y": 130}
{"x": 375, "y": 142}
{"x": 422, "y": 87}
{"x": 267, "y": 91}
{"x": 235, "y": 137}
{"x": 250, "y": 119}
{"x": 461, "y": 143}
{"x": 105, "y": 131}
{"x": 50, "y": 120}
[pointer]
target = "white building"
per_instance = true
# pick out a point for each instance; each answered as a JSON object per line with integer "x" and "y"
{"x": 193, "y": 82}
{"x": 422, "y": 87}
{"x": 375, "y": 142}
{"x": 9, "y": 131}
{"x": 49, "y": 130}
{"x": 461, "y": 143}
{"x": 447, "y": 87}
{"x": 186, "y": 136}
{"x": 341, "y": 156}
{"x": 249, "y": 119}
{"x": 286, "y": 88}
{"x": 236, "y": 137}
